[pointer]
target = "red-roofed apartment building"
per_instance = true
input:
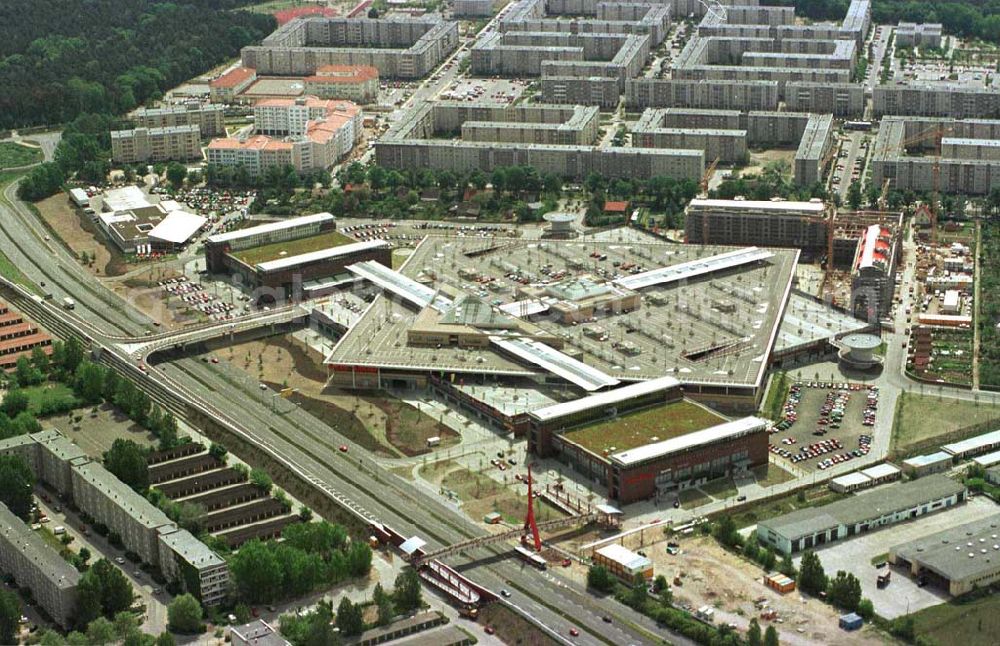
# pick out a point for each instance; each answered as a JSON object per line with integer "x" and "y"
{"x": 227, "y": 87}
{"x": 317, "y": 133}
{"x": 357, "y": 83}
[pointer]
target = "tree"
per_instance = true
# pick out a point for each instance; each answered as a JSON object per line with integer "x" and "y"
{"x": 854, "y": 196}
{"x": 88, "y": 382}
{"x": 771, "y": 636}
{"x": 176, "y": 173}
{"x": 599, "y": 578}
{"x": 638, "y": 594}
{"x": 166, "y": 639}
{"x": 115, "y": 591}
{"x": 217, "y": 451}
{"x": 787, "y": 566}
{"x": 125, "y": 623}
{"x": 257, "y": 573}
{"x": 383, "y": 602}
{"x": 88, "y": 601}
{"x": 127, "y": 461}
{"x": 10, "y": 617}
{"x": 660, "y": 584}
{"x": 16, "y": 483}
{"x": 14, "y": 402}
{"x": 866, "y": 610}
{"x": 101, "y": 631}
{"x": 845, "y": 591}
{"x": 350, "y": 620}
{"x": 184, "y": 614}
{"x": 260, "y": 479}
{"x": 812, "y": 578}
{"x": 407, "y": 593}
{"x": 753, "y": 634}
{"x": 726, "y": 533}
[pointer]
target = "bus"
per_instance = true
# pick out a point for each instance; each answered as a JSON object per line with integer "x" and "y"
{"x": 857, "y": 125}
{"x": 531, "y": 558}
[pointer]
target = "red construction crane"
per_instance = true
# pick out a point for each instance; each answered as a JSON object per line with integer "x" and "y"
{"x": 529, "y": 519}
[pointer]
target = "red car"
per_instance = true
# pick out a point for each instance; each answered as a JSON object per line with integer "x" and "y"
{"x": 343, "y": 448}
{"x": 490, "y": 630}
{"x": 573, "y": 632}
{"x": 567, "y": 562}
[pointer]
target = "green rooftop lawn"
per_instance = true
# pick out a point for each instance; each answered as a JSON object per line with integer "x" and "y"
{"x": 288, "y": 248}
{"x": 640, "y": 428}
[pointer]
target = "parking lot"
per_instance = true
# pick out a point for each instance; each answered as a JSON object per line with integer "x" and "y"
{"x": 903, "y": 594}
{"x": 825, "y": 424}
{"x": 504, "y": 91}
{"x": 193, "y": 296}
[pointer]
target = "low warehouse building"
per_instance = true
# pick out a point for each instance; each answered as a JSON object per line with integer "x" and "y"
{"x": 623, "y": 562}
{"x": 974, "y": 445}
{"x": 924, "y": 465}
{"x": 808, "y": 528}
{"x": 958, "y": 559}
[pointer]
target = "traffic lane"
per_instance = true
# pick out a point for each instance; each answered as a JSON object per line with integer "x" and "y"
{"x": 382, "y": 490}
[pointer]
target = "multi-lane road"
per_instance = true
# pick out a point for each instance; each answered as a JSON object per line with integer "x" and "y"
{"x": 309, "y": 447}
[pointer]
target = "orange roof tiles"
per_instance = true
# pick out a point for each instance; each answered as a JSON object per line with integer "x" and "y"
{"x": 615, "y": 207}
{"x": 234, "y": 77}
{"x": 343, "y": 74}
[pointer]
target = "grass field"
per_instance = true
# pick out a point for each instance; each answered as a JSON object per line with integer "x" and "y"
{"x": 923, "y": 417}
{"x": 720, "y": 488}
{"x": 973, "y": 623}
{"x": 408, "y": 429}
{"x": 290, "y": 248}
{"x": 48, "y": 395}
{"x": 13, "y": 155}
{"x": 643, "y": 427}
{"x": 775, "y": 475}
{"x": 481, "y": 494}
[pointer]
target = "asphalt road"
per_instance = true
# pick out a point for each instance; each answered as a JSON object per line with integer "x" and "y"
{"x": 310, "y": 444}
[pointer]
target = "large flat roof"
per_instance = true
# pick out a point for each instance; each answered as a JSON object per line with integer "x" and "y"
{"x": 270, "y": 227}
{"x": 876, "y": 503}
{"x": 760, "y": 205}
{"x": 552, "y": 360}
{"x": 929, "y": 458}
{"x": 620, "y": 394}
{"x": 322, "y": 254}
{"x": 177, "y": 227}
{"x": 728, "y": 430}
{"x": 693, "y": 268}
{"x": 957, "y": 553}
{"x": 400, "y": 285}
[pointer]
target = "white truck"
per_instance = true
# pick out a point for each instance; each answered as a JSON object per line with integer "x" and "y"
{"x": 68, "y": 303}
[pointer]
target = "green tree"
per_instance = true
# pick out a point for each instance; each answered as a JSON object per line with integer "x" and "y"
{"x": 10, "y": 617}
{"x": 383, "y": 602}
{"x": 217, "y": 451}
{"x": 115, "y": 590}
{"x": 16, "y": 483}
{"x": 812, "y": 578}
{"x": 844, "y": 591}
{"x": 176, "y": 174}
{"x": 127, "y": 460}
{"x": 854, "y": 196}
{"x": 349, "y": 618}
{"x": 88, "y": 601}
{"x": 257, "y": 573}
{"x": 125, "y": 622}
{"x": 599, "y": 578}
{"x": 88, "y": 382}
{"x": 865, "y": 609}
{"x": 260, "y": 479}
{"x": 771, "y": 636}
{"x": 660, "y": 584}
{"x": 407, "y": 593}
{"x": 74, "y": 354}
{"x": 726, "y": 533}
{"x": 101, "y": 631}
{"x": 25, "y": 373}
{"x": 787, "y": 566}
{"x": 14, "y": 402}
{"x": 754, "y": 637}
{"x": 638, "y": 594}
{"x": 184, "y": 614}
{"x": 166, "y": 639}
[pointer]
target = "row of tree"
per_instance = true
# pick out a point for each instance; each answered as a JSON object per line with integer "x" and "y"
{"x": 989, "y": 306}
{"x": 311, "y": 555}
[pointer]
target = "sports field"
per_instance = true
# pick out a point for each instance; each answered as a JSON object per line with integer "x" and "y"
{"x": 288, "y": 248}
{"x": 644, "y": 427}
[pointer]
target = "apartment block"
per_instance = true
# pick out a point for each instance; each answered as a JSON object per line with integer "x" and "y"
{"x": 407, "y": 47}
{"x": 35, "y": 565}
{"x": 209, "y": 118}
{"x": 416, "y": 142}
{"x": 937, "y": 100}
{"x": 143, "y": 528}
{"x": 318, "y": 134}
{"x": 227, "y": 87}
{"x": 714, "y": 95}
{"x": 724, "y": 145}
{"x": 358, "y": 83}
{"x": 601, "y": 91}
{"x": 846, "y": 100}
{"x": 141, "y": 145}
{"x": 911, "y": 34}
{"x": 778, "y": 223}
{"x": 813, "y": 147}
